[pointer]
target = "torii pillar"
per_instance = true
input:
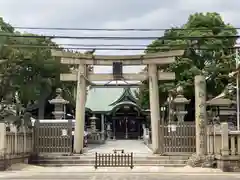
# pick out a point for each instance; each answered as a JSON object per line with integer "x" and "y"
{"x": 157, "y": 143}
{"x": 80, "y": 110}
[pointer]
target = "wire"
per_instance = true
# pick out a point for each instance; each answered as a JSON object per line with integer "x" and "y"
{"x": 81, "y": 48}
{"x": 83, "y": 45}
{"x": 120, "y": 49}
{"x": 123, "y": 29}
{"x": 118, "y": 37}
{"x": 94, "y": 45}
{"x": 105, "y": 45}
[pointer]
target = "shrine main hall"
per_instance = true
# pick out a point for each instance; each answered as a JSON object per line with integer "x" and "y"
{"x": 115, "y": 110}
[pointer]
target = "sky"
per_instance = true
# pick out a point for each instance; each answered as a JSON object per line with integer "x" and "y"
{"x": 111, "y": 14}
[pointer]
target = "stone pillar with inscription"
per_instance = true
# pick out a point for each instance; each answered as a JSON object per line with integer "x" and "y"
{"x": 200, "y": 115}
{"x": 201, "y": 158}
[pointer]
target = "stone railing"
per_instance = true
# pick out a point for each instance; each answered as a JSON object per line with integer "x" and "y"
{"x": 214, "y": 139}
{"x": 15, "y": 142}
{"x": 15, "y": 146}
{"x": 19, "y": 142}
{"x": 224, "y": 144}
{"x": 221, "y": 140}
{"x": 96, "y": 138}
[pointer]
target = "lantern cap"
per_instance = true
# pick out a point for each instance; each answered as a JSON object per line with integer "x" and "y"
{"x": 180, "y": 99}
{"x": 93, "y": 117}
{"x": 58, "y": 99}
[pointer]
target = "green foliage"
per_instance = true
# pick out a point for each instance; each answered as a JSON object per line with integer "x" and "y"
{"x": 207, "y": 56}
{"x": 26, "y": 70}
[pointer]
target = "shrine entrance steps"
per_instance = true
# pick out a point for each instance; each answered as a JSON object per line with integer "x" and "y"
{"x": 142, "y": 156}
{"x": 152, "y": 160}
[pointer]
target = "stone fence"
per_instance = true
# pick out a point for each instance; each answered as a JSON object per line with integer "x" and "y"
{"x": 221, "y": 140}
{"x": 224, "y": 144}
{"x": 96, "y": 138}
{"x": 15, "y": 141}
{"x": 15, "y": 145}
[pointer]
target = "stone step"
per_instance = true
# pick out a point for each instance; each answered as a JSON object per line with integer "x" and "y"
{"x": 79, "y": 161}
{"x": 134, "y": 157}
{"x": 89, "y": 160}
{"x": 88, "y": 165}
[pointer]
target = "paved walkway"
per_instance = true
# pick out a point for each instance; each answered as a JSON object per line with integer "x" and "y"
{"x": 137, "y": 173}
{"x": 135, "y": 146}
{"x": 143, "y": 173}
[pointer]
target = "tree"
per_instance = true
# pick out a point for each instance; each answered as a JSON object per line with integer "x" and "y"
{"x": 211, "y": 57}
{"x": 29, "y": 71}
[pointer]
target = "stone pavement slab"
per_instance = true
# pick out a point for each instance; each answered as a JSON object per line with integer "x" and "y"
{"x": 91, "y": 169}
{"x": 142, "y": 169}
{"x": 124, "y": 176}
{"x": 137, "y": 173}
{"x": 135, "y": 146}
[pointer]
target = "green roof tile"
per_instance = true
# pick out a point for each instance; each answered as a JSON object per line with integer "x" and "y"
{"x": 100, "y": 99}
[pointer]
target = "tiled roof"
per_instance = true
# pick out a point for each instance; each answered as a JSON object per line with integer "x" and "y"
{"x": 100, "y": 99}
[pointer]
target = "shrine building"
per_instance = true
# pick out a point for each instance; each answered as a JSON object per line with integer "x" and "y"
{"x": 115, "y": 109}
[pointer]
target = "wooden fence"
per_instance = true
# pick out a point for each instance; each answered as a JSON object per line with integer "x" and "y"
{"x": 56, "y": 136}
{"x": 53, "y": 136}
{"x": 179, "y": 138}
{"x": 116, "y": 159}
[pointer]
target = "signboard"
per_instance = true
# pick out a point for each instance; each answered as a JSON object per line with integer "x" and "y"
{"x": 64, "y": 132}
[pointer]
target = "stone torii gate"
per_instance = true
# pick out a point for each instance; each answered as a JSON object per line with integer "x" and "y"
{"x": 82, "y": 76}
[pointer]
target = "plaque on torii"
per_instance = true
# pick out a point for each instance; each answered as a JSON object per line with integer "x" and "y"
{"x": 117, "y": 71}
{"x": 83, "y": 77}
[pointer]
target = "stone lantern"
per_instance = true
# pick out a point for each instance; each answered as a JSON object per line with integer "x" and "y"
{"x": 222, "y": 108}
{"x": 93, "y": 123}
{"x": 179, "y": 103}
{"x": 59, "y": 105}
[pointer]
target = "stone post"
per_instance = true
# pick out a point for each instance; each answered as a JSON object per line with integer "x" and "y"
{"x": 200, "y": 115}
{"x": 13, "y": 129}
{"x": 157, "y": 138}
{"x": 15, "y": 139}
{"x": 24, "y": 139}
{"x": 109, "y": 131}
{"x": 80, "y": 110}
{"x": 2, "y": 137}
{"x": 102, "y": 126}
{"x": 225, "y": 142}
{"x": 114, "y": 129}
